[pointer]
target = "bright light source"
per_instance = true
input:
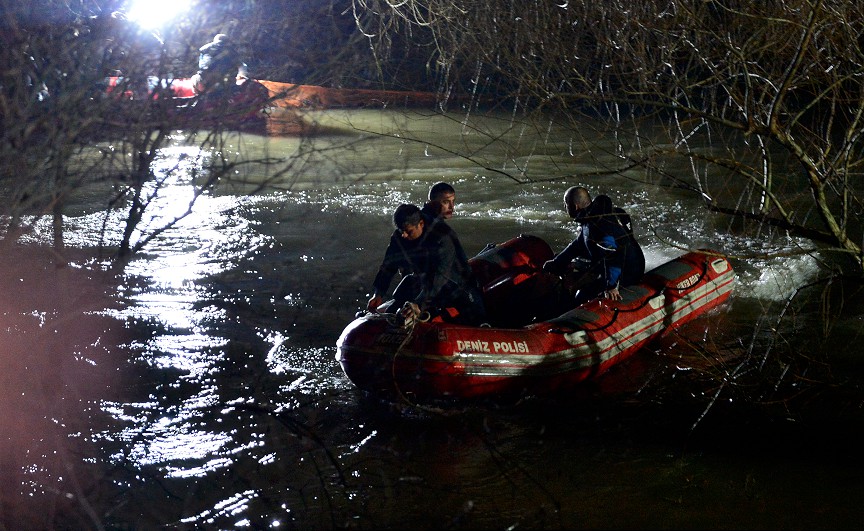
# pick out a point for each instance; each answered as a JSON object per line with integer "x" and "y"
{"x": 154, "y": 14}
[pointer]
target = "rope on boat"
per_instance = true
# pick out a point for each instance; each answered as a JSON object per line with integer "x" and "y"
{"x": 410, "y": 324}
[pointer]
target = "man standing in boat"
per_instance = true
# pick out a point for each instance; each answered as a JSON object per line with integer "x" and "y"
{"x": 219, "y": 65}
{"x": 436, "y": 278}
{"x": 605, "y": 242}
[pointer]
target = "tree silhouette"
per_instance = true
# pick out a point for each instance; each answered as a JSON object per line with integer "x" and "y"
{"x": 762, "y": 100}
{"x": 67, "y": 129}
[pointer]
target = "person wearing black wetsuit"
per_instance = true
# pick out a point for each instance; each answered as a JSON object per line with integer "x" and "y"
{"x": 605, "y": 242}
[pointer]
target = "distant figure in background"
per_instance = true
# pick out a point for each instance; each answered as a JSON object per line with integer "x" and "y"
{"x": 219, "y": 65}
{"x": 605, "y": 243}
{"x": 442, "y": 201}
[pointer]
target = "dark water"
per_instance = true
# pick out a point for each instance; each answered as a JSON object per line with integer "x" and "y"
{"x": 196, "y": 387}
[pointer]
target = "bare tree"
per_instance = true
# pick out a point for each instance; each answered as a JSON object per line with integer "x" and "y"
{"x": 763, "y": 99}
{"x": 85, "y": 105}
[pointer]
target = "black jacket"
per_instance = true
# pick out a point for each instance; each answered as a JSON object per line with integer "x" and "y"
{"x": 219, "y": 59}
{"x": 606, "y": 240}
{"x": 440, "y": 264}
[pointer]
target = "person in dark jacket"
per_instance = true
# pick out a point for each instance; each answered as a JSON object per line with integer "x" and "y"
{"x": 605, "y": 244}
{"x": 441, "y": 204}
{"x": 219, "y": 64}
{"x": 436, "y": 278}
{"x": 442, "y": 201}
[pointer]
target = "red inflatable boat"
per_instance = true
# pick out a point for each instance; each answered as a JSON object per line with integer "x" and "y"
{"x": 524, "y": 351}
{"x": 240, "y": 107}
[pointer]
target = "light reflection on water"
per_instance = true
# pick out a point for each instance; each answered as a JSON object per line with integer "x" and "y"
{"x": 232, "y": 411}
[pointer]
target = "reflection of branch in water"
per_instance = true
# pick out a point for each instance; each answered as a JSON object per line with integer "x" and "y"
{"x": 505, "y": 464}
{"x": 303, "y": 431}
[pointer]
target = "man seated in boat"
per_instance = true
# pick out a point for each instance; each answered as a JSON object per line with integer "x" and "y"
{"x": 442, "y": 201}
{"x": 605, "y": 244}
{"x": 437, "y": 282}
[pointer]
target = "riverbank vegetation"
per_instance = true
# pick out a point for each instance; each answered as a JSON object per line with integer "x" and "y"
{"x": 763, "y": 100}
{"x": 66, "y": 130}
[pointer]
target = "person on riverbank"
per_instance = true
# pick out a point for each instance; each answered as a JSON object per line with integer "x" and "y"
{"x": 436, "y": 278}
{"x": 605, "y": 244}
